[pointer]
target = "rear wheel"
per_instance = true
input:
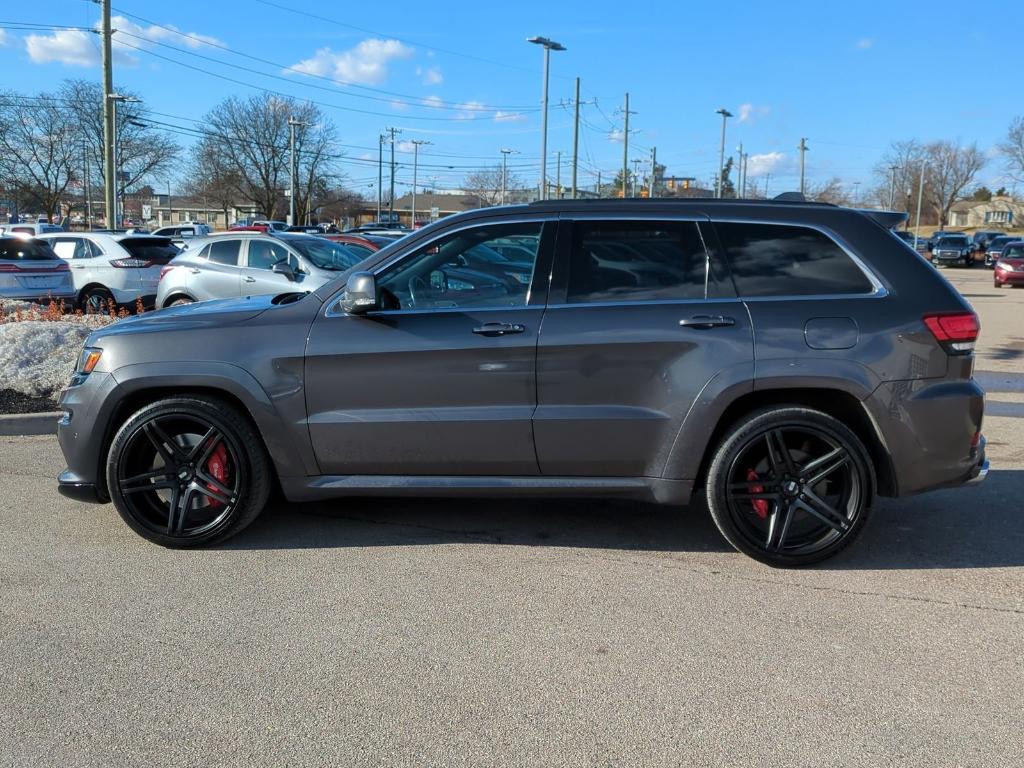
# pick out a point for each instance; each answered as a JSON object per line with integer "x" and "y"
{"x": 186, "y": 471}
{"x": 180, "y": 301}
{"x": 96, "y": 300}
{"x": 790, "y": 486}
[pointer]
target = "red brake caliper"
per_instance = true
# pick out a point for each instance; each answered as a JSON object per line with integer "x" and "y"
{"x": 760, "y": 505}
{"x": 217, "y": 466}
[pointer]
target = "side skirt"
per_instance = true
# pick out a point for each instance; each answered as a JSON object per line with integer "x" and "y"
{"x": 649, "y": 489}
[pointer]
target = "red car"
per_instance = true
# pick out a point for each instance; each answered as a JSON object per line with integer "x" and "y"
{"x": 365, "y": 244}
{"x": 1009, "y": 269}
{"x": 249, "y": 228}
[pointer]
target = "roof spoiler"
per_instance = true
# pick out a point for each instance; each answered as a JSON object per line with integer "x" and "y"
{"x": 888, "y": 219}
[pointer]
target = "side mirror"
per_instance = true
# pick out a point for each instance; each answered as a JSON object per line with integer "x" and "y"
{"x": 360, "y": 294}
{"x": 284, "y": 268}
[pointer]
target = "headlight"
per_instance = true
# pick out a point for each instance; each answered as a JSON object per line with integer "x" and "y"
{"x": 87, "y": 360}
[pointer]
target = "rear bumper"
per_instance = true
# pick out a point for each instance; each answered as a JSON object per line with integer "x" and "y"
{"x": 980, "y": 471}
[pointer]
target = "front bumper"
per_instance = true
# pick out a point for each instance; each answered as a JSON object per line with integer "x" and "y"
{"x": 73, "y": 487}
{"x": 981, "y": 469}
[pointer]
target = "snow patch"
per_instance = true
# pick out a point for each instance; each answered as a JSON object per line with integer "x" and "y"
{"x": 37, "y": 357}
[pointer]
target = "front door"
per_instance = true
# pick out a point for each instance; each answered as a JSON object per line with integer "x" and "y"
{"x": 257, "y": 277}
{"x": 641, "y": 318}
{"x": 441, "y": 379}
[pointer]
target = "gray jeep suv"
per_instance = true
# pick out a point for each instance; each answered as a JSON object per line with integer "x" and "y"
{"x": 784, "y": 360}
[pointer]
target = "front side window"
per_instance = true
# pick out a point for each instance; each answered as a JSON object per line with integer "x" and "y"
{"x": 264, "y": 255}
{"x": 785, "y": 260}
{"x": 637, "y": 261}
{"x": 465, "y": 269}
{"x": 225, "y": 252}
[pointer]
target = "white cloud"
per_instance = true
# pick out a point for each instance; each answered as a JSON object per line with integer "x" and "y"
{"x": 508, "y": 117}
{"x": 3, "y": 38}
{"x": 81, "y": 49}
{"x": 433, "y": 101}
{"x": 398, "y": 106}
{"x": 68, "y": 46}
{"x": 404, "y": 146}
{"x": 365, "y": 64}
{"x": 770, "y": 162}
{"x": 616, "y": 135}
{"x": 430, "y": 76}
{"x": 470, "y": 110}
{"x": 864, "y": 43}
{"x": 748, "y": 113}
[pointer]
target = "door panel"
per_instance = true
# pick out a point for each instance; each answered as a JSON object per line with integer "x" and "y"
{"x": 422, "y": 394}
{"x": 257, "y": 277}
{"x": 219, "y": 277}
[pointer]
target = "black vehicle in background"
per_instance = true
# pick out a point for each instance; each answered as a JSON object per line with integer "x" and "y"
{"x": 953, "y": 249}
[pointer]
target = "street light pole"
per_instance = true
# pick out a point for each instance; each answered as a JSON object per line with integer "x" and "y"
{"x": 892, "y": 186}
{"x": 293, "y": 123}
{"x": 117, "y": 189}
{"x": 803, "y": 151}
{"x": 391, "y": 196}
{"x": 416, "y": 143}
{"x": 504, "y": 171}
{"x": 920, "y": 194}
{"x": 726, "y": 114}
{"x": 549, "y": 46}
{"x": 380, "y": 174}
{"x": 109, "y": 184}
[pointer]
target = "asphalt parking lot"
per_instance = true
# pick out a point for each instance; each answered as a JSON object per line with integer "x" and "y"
{"x": 480, "y": 633}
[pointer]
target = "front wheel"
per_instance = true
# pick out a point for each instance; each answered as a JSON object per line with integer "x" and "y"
{"x": 96, "y": 300}
{"x": 790, "y": 486}
{"x": 186, "y": 471}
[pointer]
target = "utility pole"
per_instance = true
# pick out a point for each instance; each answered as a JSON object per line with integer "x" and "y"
{"x": 108, "y": 116}
{"x": 739, "y": 172}
{"x": 636, "y": 176}
{"x": 726, "y": 114}
{"x": 504, "y": 171}
{"x": 767, "y": 178}
{"x": 803, "y": 178}
{"x": 625, "y": 147}
{"x": 558, "y": 176}
{"x": 549, "y": 46}
{"x": 391, "y": 197}
{"x": 892, "y": 186}
{"x": 576, "y": 138}
{"x": 746, "y": 165}
{"x": 598, "y": 183}
{"x": 86, "y": 189}
{"x": 293, "y": 123}
{"x": 416, "y": 144}
{"x": 380, "y": 174}
{"x": 654, "y": 172}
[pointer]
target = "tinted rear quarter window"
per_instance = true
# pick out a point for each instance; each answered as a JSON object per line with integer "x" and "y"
{"x": 21, "y": 249}
{"x": 157, "y": 250}
{"x": 225, "y": 252}
{"x": 636, "y": 261}
{"x": 786, "y": 260}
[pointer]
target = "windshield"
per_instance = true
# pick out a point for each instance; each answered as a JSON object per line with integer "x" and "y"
{"x": 1015, "y": 251}
{"x": 952, "y": 242}
{"x": 156, "y": 250}
{"x": 327, "y": 255}
{"x": 999, "y": 242}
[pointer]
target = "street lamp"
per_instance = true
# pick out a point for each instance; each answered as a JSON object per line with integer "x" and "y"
{"x": 293, "y": 123}
{"x": 114, "y": 99}
{"x": 504, "y": 171}
{"x": 549, "y": 46}
{"x": 726, "y": 114}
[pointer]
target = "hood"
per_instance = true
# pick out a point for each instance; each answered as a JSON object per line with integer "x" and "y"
{"x": 203, "y": 314}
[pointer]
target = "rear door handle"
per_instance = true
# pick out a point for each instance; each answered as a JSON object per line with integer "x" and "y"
{"x": 499, "y": 329}
{"x": 707, "y": 321}
{"x": 194, "y": 271}
{"x": 250, "y": 279}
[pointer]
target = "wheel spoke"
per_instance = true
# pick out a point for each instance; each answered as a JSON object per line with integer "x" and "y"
{"x": 144, "y": 481}
{"x": 824, "y": 511}
{"x": 202, "y": 450}
{"x": 822, "y": 467}
{"x": 166, "y": 447}
{"x": 751, "y": 486}
{"x": 181, "y": 505}
{"x": 778, "y": 453}
{"x": 778, "y": 526}
{"x": 768, "y": 496}
{"x": 214, "y": 493}
{"x": 205, "y": 477}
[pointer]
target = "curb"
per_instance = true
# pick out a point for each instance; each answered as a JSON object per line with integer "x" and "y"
{"x": 29, "y": 423}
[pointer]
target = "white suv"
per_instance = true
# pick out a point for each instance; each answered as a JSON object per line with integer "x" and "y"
{"x": 29, "y": 228}
{"x": 105, "y": 267}
{"x": 182, "y": 233}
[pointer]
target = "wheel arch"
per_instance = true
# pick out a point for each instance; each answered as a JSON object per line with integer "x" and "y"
{"x": 177, "y": 294}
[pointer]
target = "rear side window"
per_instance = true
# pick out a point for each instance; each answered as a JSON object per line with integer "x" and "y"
{"x": 225, "y": 252}
{"x": 156, "y": 250}
{"x": 784, "y": 260}
{"x": 637, "y": 261}
{"x": 19, "y": 249}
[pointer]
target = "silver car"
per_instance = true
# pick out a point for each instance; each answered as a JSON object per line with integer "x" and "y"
{"x": 31, "y": 271}
{"x": 236, "y": 264}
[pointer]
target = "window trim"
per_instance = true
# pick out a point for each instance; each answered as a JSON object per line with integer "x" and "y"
{"x": 878, "y": 291}
{"x": 331, "y": 305}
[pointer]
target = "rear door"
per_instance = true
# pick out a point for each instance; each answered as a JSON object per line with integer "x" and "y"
{"x": 220, "y": 276}
{"x": 642, "y": 316}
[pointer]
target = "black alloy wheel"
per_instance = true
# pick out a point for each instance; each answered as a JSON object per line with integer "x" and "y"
{"x": 187, "y": 471}
{"x": 790, "y": 487}
{"x": 96, "y": 300}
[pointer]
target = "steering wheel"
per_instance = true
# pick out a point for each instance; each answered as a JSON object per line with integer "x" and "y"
{"x": 418, "y": 288}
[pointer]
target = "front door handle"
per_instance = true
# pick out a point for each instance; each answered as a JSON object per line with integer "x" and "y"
{"x": 249, "y": 279}
{"x": 707, "y": 321}
{"x": 499, "y": 329}
{"x": 194, "y": 271}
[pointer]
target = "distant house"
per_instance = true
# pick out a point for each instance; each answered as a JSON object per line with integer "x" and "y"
{"x": 1001, "y": 212}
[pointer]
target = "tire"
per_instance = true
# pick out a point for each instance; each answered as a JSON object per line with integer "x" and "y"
{"x": 180, "y": 301}
{"x": 758, "y": 498}
{"x": 95, "y": 300}
{"x": 197, "y": 454}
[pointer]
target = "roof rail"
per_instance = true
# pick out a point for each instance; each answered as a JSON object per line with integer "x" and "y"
{"x": 783, "y": 199}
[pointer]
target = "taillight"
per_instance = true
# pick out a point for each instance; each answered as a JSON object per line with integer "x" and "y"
{"x": 131, "y": 263}
{"x": 957, "y": 332}
{"x": 8, "y": 268}
{"x": 164, "y": 271}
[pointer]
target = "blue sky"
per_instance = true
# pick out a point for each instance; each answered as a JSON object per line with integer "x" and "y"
{"x": 850, "y": 76}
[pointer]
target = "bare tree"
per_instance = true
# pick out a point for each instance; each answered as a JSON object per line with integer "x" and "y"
{"x": 831, "y": 191}
{"x": 250, "y": 140}
{"x": 950, "y": 169}
{"x": 485, "y": 184}
{"x": 39, "y": 151}
{"x": 209, "y": 179}
{"x": 906, "y": 158}
{"x": 1012, "y": 149}
{"x": 144, "y": 152}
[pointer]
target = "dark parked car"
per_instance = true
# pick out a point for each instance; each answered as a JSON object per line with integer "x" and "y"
{"x": 995, "y": 248}
{"x": 981, "y": 238}
{"x": 953, "y": 249}
{"x": 786, "y": 361}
